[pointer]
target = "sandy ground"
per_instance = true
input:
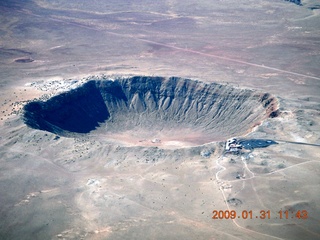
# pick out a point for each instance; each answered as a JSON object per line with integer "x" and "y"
{"x": 93, "y": 187}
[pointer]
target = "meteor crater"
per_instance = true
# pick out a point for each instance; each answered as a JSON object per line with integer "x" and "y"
{"x": 144, "y": 110}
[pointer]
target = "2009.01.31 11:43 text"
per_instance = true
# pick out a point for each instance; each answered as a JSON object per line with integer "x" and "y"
{"x": 262, "y": 214}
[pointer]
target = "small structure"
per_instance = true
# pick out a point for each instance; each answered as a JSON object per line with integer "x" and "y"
{"x": 232, "y": 145}
{"x": 156, "y": 140}
{"x": 205, "y": 153}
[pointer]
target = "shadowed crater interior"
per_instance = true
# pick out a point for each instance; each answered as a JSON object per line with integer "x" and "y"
{"x": 152, "y": 110}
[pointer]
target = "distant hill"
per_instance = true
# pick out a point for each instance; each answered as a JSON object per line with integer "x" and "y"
{"x": 298, "y": 2}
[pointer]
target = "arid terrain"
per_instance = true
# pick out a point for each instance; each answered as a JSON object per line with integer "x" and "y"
{"x": 115, "y": 117}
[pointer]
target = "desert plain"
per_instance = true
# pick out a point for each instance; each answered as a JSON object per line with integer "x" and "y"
{"x": 115, "y": 117}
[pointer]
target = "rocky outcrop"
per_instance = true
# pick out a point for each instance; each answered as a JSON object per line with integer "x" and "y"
{"x": 152, "y": 103}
